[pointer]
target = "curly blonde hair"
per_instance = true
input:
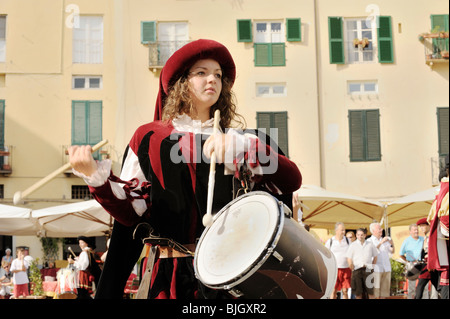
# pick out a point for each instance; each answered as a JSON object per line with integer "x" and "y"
{"x": 180, "y": 102}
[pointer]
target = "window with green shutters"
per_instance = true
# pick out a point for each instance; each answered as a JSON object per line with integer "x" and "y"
{"x": 86, "y": 123}
{"x": 269, "y": 54}
{"x": 269, "y": 38}
{"x": 277, "y": 121}
{"x": 364, "y": 130}
{"x": 148, "y": 32}
{"x": 443, "y": 130}
{"x": 341, "y": 36}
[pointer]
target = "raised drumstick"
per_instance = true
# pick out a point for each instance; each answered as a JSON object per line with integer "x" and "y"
{"x": 207, "y": 218}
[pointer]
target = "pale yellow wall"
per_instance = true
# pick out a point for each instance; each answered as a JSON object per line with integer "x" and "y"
{"x": 409, "y": 92}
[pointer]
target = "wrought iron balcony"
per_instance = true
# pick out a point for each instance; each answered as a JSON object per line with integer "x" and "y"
{"x": 436, "y": 47}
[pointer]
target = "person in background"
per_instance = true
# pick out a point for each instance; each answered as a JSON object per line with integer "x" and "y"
{"x": 411, "y": 251}
{"x": 361, "y": 257}
{"x": 426, "y": 276}
{"x": 438, "y": 245}
{"x": 385, "y": 247}
{"x": 8, "y": 257}
{"x": 351, "y": 236}
{"x": 338, "y": 245}
{"x": 19, "y": 267}
{"x": 5, "y": 280}
{"x": 85, "y": 264}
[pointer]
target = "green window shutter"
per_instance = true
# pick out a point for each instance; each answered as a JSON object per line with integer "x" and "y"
{"x": 79, "y": 123}
{"x": 356, "y": 129}
{"x": 270, "y": 54}
{"x": 2, "y": 124}
{"x": 262, "y": 54}
{"x": 373, "y": 149}
{"x": 277, "y": 54}
{"x": 95, "y": 122}
{"x": 148, "y": 32}
{"x": 364, "y": 128}
{"x": 244, "y": 30}
{"x": 294, "y": 29}
{"x": 385, "y": 43}
{"x": 443, "y": 130}
{"x": 439, "y": 22}
{"x": 336, "y": 40}
{"x": 87, "y": 123}
{"x": 278, "y": 120}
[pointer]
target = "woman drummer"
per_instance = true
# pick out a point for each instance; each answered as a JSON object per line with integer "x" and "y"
{"x": 164, "y": 178}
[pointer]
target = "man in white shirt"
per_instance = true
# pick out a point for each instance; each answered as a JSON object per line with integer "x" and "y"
{"x": 339, "y": 245}
{"x": 19, "y": 268}
{"x": 385, "y": 247}
{"x": 361, "y": 257}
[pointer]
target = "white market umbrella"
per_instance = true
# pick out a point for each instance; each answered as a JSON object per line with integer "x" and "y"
{"x": 86, "y": 218}
{"x": 16, "y": 221}
{"x": 322, "y": 208}
{"x": 410, "y": 208}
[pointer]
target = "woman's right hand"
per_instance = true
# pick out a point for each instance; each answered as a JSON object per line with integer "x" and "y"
{"x": 80, "y": 158}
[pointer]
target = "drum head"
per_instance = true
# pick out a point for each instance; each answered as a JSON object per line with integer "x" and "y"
{"x": 238, "y": 239}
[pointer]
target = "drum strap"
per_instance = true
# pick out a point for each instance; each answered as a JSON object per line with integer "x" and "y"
{"x": 144, "y": 286}
{"x": 156, "y": 240}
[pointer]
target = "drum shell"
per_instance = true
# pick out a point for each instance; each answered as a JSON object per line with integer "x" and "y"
{"x": 294, "y": 265}
{"x": 298, "y": 267}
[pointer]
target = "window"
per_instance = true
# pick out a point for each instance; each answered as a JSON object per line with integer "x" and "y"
{"x": 278, "y": 121}
{"x": 359, "y": 41}
{"x": 364, "y": 130}
{"x": 270, "y": 89}
{"x": 87, "y": 123}
{"x": 81, "y": 192}
{"x": 269, "y": 38}
{"x": 443, "y": 130}
{"x": 88, "y": 41}
{"x": 359, "y": 30}
{"x": 163, "y": 38}
{"x": 87, "y": 82}
{"x": 2, "y": 38}
{"x": 364, "y": 87}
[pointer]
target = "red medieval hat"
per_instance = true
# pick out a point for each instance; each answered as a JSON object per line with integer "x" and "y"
{"x": 422, "y": 221}
{"x": 182, "y": 59}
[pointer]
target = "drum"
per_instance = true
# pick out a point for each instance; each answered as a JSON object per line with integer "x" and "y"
{"x": 413, "y": 269}
{"x": 67, "y": 283}
{"x": 255, "y": 250}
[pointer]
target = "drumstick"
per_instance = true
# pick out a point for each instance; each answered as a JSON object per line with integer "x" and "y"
{"x": 207, "y": 218}
{"x": 18, "y": 196}
{"x": 70, "y": 249}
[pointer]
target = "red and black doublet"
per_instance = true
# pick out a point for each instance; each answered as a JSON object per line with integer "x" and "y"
{"x": 175, "y": 194}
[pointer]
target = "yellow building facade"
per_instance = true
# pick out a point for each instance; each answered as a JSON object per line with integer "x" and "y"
{"x": 365, "y": 117}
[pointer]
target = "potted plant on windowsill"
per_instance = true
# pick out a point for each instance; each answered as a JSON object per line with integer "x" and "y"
{"x": 364, "y": 43}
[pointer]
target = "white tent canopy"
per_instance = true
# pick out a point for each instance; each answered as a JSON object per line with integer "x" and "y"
{"x": 16, "y": 221}
{"x": 410, "y": 208}
{"x": 322, "y": 208}
{"x": 85, "y": 218}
